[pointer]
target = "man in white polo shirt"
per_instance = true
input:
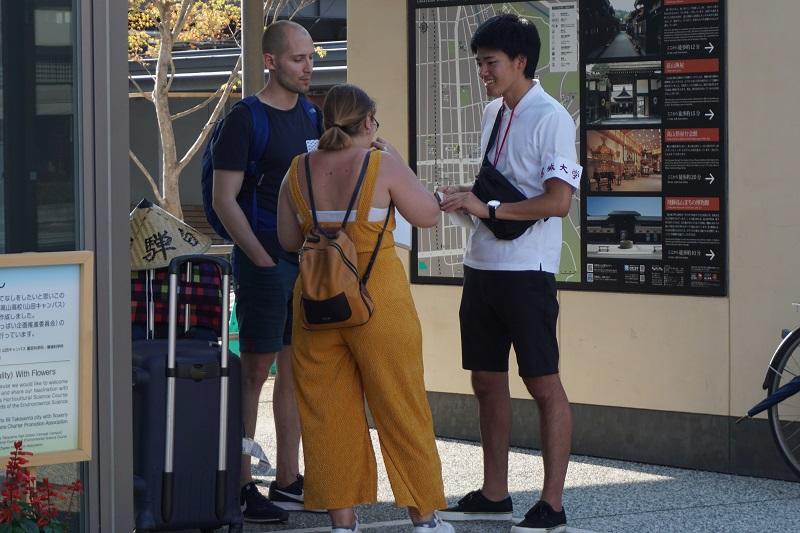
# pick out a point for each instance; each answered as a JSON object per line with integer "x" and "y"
{"x": 509, "y": 294}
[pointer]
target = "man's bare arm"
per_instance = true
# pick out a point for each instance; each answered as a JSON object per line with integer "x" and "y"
{"x": 555, "y": 202}
{"x": 289, "y": 233}
{"x": 227, "y": 184}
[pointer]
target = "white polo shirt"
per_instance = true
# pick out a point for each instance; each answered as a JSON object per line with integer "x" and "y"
{"x": 540, "y": 146}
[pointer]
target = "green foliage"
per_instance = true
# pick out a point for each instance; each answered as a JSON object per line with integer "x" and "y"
{"x": 206, "y": 21}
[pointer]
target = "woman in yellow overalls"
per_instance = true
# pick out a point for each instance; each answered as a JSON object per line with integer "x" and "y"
{"x": 381, "y": 360}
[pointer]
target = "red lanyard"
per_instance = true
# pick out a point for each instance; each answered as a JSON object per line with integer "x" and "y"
{"x": 505, "y": 136}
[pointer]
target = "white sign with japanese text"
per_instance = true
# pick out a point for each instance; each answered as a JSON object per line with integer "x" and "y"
{"x": 39, "y": 327}
{"x": 45, "y": 354}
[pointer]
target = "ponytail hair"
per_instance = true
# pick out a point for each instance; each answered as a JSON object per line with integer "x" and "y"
{"x": 335, "y": 138}
{"x": 345, "y": 107}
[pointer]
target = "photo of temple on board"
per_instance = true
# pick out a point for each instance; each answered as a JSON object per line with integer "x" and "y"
{"x": 623, "y": 93}
{"x": 623, "y": 160}
{"x": 624, "y": 228}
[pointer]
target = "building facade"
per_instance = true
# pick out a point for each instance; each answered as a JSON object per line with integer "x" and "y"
{"x": 667, "y": 384}
{"x": 663, "y": 386}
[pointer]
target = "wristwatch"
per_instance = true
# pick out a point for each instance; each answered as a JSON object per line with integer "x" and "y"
{"x": 492, "y": 205}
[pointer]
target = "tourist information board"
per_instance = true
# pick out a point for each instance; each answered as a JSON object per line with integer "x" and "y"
{"x": 653, "y": 146}
{"x": 645, "y": 83}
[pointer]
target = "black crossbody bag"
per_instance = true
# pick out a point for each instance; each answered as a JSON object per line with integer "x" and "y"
{"x": 492, "y": 185}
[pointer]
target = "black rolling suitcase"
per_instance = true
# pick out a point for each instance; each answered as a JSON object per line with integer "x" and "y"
{"x": 187, "y": 424}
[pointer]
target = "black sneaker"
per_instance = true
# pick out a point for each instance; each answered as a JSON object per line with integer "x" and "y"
{"x": 475, "y": 506}
{"x": 542, "y": 519}
{"x": 289, "y": 498}
{"x": 257, "y": 508}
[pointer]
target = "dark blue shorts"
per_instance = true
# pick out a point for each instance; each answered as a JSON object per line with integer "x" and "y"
{"x": 263, "y": 303}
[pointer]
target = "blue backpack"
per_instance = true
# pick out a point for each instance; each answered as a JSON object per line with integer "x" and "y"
{"x": 258, "y": 143}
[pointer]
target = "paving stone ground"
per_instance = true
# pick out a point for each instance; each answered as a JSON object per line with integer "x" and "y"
{"x": 601, "y": 495}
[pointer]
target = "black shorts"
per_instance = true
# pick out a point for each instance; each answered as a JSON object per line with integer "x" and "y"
{"x": 500, "y": 308}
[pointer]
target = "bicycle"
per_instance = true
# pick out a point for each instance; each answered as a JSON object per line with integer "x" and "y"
{"x": 782, "y": 384}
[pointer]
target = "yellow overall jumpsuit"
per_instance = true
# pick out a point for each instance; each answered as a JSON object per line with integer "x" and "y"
{"x": 334, "y": 370}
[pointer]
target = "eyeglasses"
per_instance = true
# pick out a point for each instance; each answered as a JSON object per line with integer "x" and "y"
{"x": 377, "y": 124}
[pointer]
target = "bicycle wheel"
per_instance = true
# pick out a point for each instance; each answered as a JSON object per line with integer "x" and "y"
{"x": 784, "y": 417}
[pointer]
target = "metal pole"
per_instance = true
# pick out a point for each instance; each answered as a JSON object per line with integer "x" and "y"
{"x": 222, "y": 464}
{"x": 252, "y": 58}
{"x": 167, "y": 479}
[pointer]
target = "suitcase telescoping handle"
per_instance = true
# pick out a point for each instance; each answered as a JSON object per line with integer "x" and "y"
{"x": 168, "y": 475}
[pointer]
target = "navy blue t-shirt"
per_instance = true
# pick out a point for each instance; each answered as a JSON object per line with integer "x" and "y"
{"x": 288, "y": 133}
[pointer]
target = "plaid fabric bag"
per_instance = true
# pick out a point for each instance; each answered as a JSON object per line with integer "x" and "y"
{"x": 203, "y": 294}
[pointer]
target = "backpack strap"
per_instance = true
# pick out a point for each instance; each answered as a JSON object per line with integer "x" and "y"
{"x": 352, "y": 197}
{"x": 365, "y": 204}
{"x": 259, "y": 136}
{"x": 495, "y": 130}
{"x": 313, "y": 112}
{"x": 367, "y": 191}
{"x": 368, "y": 271}
{"x": 311, "y": 193}
{"x": 357, "y": 189}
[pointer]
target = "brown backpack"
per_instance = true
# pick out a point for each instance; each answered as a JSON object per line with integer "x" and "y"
{"x": 332, "y": 294}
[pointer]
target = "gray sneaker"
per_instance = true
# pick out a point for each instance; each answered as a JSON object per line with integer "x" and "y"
{"x": 437, "y": 527}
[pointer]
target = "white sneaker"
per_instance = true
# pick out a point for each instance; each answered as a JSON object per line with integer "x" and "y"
{"x": 346, "y": 529}
{"x": 441, "y": 527}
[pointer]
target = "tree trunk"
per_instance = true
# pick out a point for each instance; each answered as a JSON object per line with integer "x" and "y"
{"x": 169, "y": 155}
{"x": 172, "y": 193}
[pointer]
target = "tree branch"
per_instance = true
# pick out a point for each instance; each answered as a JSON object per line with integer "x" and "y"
{"x": 145, "y": 95}
{"x": 147, "y": 175}
{"x": 186, "y": 6}
{"x": 213, "y": 118}
{"x": 171, "y": 73}
{"x": 302, "y": 5}
{"x": 199, "y": 106}
{"x": 276, "y": 6}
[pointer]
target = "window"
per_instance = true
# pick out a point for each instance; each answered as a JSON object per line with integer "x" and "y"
{"x": 38, "y": 191}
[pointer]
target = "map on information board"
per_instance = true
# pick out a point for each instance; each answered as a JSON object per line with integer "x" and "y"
{"x": 447, "y": 103}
